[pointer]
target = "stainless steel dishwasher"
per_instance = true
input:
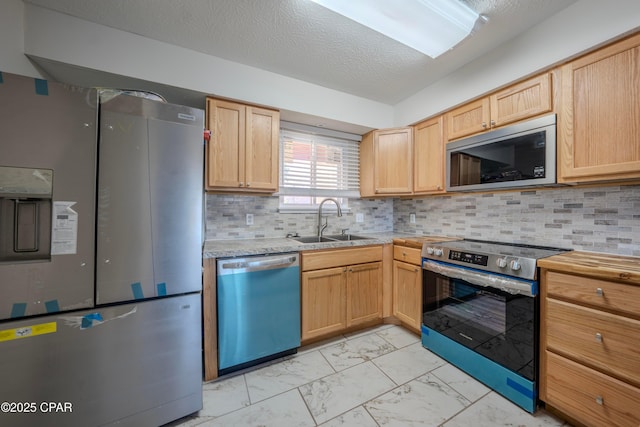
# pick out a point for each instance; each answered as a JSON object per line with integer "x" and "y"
{"x": 258, "y": 300}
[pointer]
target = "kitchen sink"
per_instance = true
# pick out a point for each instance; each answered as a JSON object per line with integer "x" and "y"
{"x": 329, "y": 238}
{"x": 312, "y": 239}
{"x": 346, "y": 237}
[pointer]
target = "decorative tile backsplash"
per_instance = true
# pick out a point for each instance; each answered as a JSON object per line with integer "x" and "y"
{"x": 600, "y": 219}
{"x": 603, "y": 219}
{"x": 226, "y": 218}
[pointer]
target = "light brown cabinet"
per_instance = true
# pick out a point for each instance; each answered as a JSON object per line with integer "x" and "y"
{"x": 386, "y": 165}
{"x": 521, "y": 101}
{"x": 341, "y": 289}
{"x": 428, "y": 157}
{"x": 590, "y": 327}
{"x": 242, "y": 154}
{"x": 407, "y": 286}
{"x": 599, "y": 118}
{"x": 403, "y": 161}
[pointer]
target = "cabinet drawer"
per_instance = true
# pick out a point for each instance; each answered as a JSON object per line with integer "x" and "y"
{"x": 405, "y": 254}
{"x": 605, "y": 341}
{"x": 339, "y": 257}
{"x": 613, "y": 296}
{"x": 589, "y": 396}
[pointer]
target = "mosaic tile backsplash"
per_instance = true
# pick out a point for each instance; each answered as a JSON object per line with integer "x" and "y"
{"x": 226, "y": 218}
{"x": 603, "y": 219}
{"x": 600, "y": 219}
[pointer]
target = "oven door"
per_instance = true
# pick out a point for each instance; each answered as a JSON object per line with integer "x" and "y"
{"x": 492, "y": 315}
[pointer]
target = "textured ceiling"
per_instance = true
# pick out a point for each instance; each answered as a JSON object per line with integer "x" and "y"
{"x": 299, "y": 39}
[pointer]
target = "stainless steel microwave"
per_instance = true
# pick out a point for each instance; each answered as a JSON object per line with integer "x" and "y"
{"x": 521, "y": 155}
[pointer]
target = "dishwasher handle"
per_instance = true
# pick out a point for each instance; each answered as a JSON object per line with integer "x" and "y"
{"x": 248, "y": 265}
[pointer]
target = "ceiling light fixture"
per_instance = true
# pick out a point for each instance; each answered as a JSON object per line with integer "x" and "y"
{"x": 429, "y": 26}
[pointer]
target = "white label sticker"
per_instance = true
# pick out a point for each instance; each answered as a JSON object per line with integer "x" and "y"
{"x": 64, "y": 230}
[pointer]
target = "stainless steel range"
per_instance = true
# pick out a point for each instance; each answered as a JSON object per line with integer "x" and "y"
{"x": 480, "y": 312}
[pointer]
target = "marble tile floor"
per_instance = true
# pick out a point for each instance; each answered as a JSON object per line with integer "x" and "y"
{"x": 377, "y": 377}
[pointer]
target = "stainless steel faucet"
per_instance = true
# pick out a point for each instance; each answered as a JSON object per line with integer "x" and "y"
{"x": 322, "y": 226}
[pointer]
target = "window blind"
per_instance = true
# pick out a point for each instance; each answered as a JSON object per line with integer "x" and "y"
{"x": 318, "y": 165}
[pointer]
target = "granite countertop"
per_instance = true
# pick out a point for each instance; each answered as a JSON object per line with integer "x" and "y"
{"x": 236, "y": 248}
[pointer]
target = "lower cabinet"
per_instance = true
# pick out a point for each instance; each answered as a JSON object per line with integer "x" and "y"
{"x": 341, "y": 289}
{"x": 589, "y": 332}
{"x": 407, "y": 286}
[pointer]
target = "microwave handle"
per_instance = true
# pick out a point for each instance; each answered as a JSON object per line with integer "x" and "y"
{"x": 512, "y": 286}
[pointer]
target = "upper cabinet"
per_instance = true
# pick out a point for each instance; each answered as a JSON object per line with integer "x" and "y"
{"x": 599, "y": 117}
{"x": 518, "y": 102}
{"x": 386, "y": 165}
{"x": 403, "y": 161}
{"x": 428, "y": 157}
{"x": 242, "y": 155}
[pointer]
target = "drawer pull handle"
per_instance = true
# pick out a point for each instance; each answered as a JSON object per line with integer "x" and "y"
{"x": 599, "y": 400}
{"x": 598, "y": 337}
{"x": 599, "y": 292}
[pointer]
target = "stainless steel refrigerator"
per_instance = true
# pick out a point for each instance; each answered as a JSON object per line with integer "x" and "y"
{"x": 100, "y": 256}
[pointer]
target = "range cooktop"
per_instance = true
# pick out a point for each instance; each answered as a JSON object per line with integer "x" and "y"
{"x": 512, "y": 259}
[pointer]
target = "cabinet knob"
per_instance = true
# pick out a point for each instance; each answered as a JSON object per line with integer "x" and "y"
{"x": 484, "y": 125}
{"x": 345, "y": 270}
{"x": 415, "y": 270}
{"x": 599, "y": 400}
{"x": 248, "y": 184}
{"x": 493, "y": 123}
{"x": 599, "y": 292}
{"x": 598, "y": 337}
{"x": 404, "y": 254}
{"x": 239, "y": 184}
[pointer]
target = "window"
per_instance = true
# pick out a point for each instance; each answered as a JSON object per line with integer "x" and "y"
{"x": 315, "y": 166}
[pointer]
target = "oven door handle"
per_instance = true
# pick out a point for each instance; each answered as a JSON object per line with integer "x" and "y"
{"x": 513, "y": 286}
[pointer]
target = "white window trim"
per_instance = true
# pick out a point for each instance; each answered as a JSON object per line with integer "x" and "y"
{"x": 289, "y": 129}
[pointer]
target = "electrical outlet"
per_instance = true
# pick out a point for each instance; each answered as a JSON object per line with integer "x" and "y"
{"x": 412, "y": 218}
{"x": 359, "y": 217}
{"x": 249, "y": 219}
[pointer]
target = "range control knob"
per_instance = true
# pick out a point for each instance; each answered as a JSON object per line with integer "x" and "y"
{"x": 437, "y": 252}
{"x": 515, "y": 265}
{"x": 429, "y": 250}
{"x": 501, "y": 262}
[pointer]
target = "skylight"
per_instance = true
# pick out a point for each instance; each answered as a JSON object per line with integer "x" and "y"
{"x": 428, "y": 26}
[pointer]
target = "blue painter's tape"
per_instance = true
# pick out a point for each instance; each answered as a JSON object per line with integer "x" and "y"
{"x": 511, "y": 385}
{"x": 42, "y": 87}
{"x": 18, "y": 309}
{"x": 87, "y": 321}
{"x": 52, "y": 306}
{"x": 162, "y": 289}
{"x": 520, "y": 388}
{"x": 136, "y": 288}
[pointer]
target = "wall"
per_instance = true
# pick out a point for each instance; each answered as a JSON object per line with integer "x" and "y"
{"x": 226, "y": 218}
{"x": 577, "y": 28}
{"x": 600, "y": 219}
{"x": 12, "y": 59}
{"x": 53, "y": 36}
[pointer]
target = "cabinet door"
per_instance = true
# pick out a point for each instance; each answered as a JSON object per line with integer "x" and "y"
{"x": 469, "y": 119}
{"x": 599, "y": 122}
{"x": 225, "y": 150}
{"x": 393, "y": 168}
{"x": 428, "y": 156}
{"x": 521, "y": 101}
{"x": 323, "y": 302}
{"x": 364, "y": 293}
{"x": 262, "y": 148}
{"x": 407, "y": 293}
